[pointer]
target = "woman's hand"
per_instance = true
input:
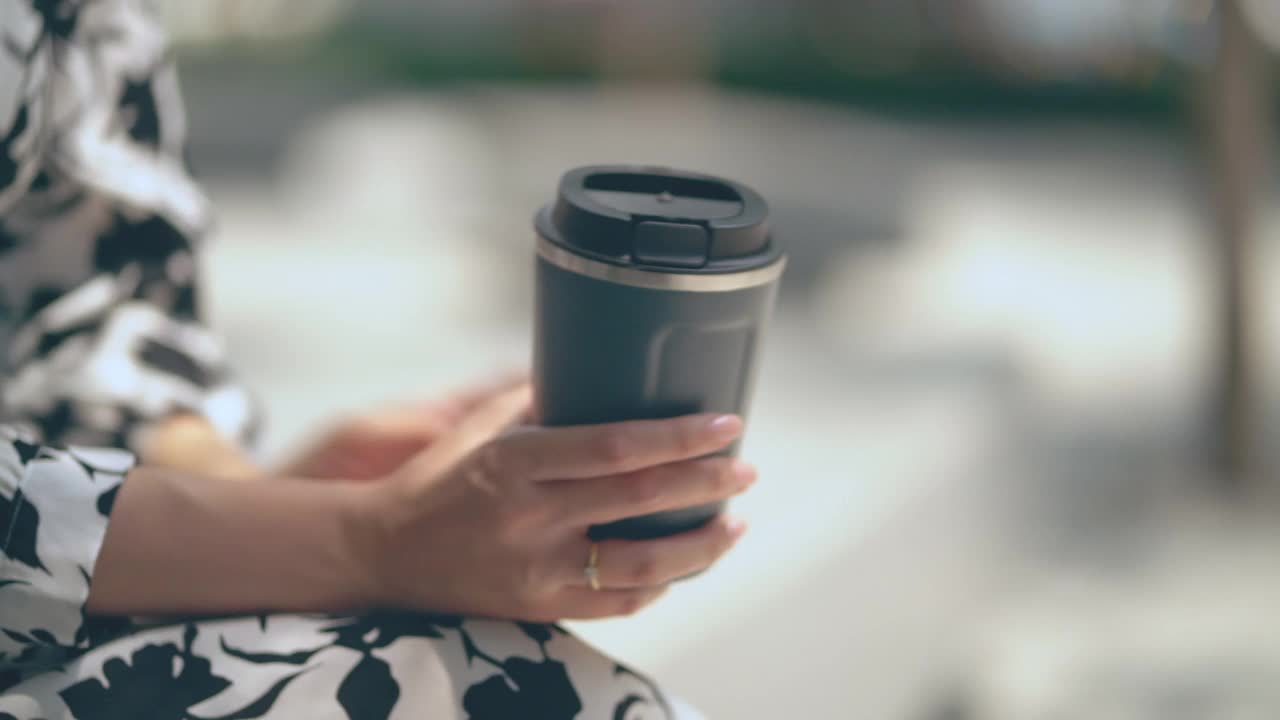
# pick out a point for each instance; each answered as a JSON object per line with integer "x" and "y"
{"x": 371, "y": 445}
{"x": 362, "y": 447}
{"x": 188, "y": 442}
{"x": 483, "y": 522}
{"x": 495, "y": 524}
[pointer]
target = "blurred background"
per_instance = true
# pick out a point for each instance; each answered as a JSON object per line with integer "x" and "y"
{"x": 1016, "y": 417}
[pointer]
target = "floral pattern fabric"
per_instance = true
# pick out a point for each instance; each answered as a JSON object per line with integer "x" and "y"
{"x": 381, "y": 665}
{"x": 100, "y": 335}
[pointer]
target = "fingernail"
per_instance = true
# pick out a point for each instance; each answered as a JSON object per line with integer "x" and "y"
{"x": 726, "y": 427}
{"x": 745, "y": 473}
{"x": 737, "y": 527}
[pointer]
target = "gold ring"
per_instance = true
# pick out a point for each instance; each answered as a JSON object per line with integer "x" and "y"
{"x": 592, "y": 571}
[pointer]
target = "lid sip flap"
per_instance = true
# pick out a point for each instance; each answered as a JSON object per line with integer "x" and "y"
{"x": 659, "y": 218}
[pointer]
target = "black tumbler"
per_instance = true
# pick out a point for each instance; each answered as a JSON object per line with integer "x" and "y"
{"x": 653, "y": 290}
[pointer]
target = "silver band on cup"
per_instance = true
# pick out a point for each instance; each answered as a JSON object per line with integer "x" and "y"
{"x": 634, "y": 277}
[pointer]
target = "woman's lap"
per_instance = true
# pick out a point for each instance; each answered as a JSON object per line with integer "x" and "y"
{"x": 378, "y": 665}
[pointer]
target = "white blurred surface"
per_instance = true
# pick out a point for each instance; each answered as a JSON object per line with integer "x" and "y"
{"x": 1095, "y": 289}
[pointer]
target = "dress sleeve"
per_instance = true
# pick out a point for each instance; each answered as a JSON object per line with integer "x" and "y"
{"x": 54, "y": 506}
{"x": 101, "y": 327}
{"x": 109, "y": 334}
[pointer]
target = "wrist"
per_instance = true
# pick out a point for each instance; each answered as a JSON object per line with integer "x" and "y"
{"x": 363, "y": 537}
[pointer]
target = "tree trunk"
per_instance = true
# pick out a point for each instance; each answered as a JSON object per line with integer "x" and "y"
{"x": 1238, "y": 129}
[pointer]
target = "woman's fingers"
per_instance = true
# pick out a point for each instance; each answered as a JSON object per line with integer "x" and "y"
{"x": 480, "y": 426}
{"x": 664, "y": 487}
{"x": 631, "y": 564}
{"x": 634, "y": 573}
{"x": 596, "y": 450}
{"x": 456, "y": 406}
{"x": 425, "y": 420}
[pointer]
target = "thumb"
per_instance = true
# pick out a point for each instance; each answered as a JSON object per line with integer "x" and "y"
{"x": 459, "y": 403}
{"x": 483, "y": 423}
{"x": 426, "y": 420}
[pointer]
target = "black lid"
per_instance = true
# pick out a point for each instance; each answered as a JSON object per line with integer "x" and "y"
{"x": 659, "y": 218}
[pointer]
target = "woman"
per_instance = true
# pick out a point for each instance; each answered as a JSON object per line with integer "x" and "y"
{"x": 335, "y": 586}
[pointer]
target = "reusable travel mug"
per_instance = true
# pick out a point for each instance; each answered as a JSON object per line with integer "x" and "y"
{"x": 653, "y": 290}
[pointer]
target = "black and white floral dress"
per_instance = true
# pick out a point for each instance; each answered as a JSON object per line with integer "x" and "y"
{"x": 100, "y": 330}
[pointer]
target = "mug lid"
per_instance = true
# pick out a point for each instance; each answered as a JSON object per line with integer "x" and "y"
{"x": 659, "y": 218}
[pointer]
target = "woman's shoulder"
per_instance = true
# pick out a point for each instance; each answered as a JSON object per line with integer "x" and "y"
{"x": 24, "y": 70}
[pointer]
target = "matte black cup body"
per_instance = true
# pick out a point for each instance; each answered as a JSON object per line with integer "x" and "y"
{"x": 657, "y": 310}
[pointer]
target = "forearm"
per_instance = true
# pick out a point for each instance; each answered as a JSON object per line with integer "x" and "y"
{"x": 179, "y": 543}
